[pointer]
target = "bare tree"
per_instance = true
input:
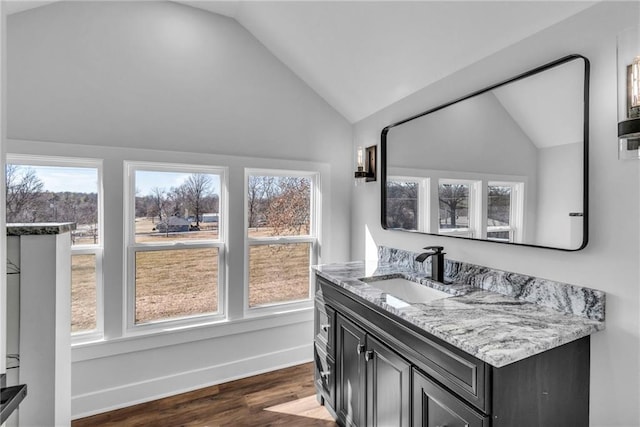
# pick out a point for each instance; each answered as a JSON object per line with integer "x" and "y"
{"x": 159, "y": 200}
{"x": 195, "y": 191}
{"x": 23, "y": 192}
{"x": 289, "y": 210}
{"x": 260, "y": 189}
{"x": 402, "y": 205}
{"x": 453, "y": 198}
{"x": 499, "y": 204}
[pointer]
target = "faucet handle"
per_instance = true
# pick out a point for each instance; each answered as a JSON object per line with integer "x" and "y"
{"x": 436, "y": 249}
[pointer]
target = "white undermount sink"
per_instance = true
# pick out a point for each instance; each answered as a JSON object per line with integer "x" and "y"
{"x": 407, "y": 290}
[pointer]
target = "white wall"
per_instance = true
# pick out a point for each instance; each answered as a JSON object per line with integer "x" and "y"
{"x": 610, "y": 261}
{"x": 158, "y": 75}
{"x": 159, "y": 81}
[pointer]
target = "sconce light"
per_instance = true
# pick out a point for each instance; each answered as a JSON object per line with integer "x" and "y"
{"x": 366, "y": 164}
{"x": 628, "y": 54}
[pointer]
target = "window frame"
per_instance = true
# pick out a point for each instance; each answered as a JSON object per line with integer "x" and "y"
{"x": 474, "y": 208}
{"x": 131, "y": 247}
{"x": 423, "y": 200}
{"x": 313, "y": 238}
{"x": 516, "y": 211}
{"x": 87, "y": 249}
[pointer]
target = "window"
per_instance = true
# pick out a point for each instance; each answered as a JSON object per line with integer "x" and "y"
{"x": 175, "y": 241}
{"x": 53, "y": 189}
{"x": 457, "y": 207}
{"x": 281, "y": 236}
{"x": 504, "y": 211}
{"x": 407, "y": 203}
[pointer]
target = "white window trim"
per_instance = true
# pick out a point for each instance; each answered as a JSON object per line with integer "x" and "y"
{"x": 313, "y": 238}
{"x": 97, "y": 249}
{"x": 131, "y": 247}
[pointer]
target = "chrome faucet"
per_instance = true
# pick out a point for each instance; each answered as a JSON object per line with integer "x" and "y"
{"x": 437, "y": 261}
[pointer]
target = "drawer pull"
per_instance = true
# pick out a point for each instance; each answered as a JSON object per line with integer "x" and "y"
{"x": 325, "y": 328}
{"x": 360, "y": 348}
{"x": 368, "y": 355}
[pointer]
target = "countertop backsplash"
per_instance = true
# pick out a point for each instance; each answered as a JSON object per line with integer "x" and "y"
{"x": 564, "y": 297}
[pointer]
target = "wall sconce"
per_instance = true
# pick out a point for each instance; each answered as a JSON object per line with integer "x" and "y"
{"x": 628, "y": 54}
{"x": 366, "y": 164}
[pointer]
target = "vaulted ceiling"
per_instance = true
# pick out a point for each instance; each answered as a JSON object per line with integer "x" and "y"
{"x": 362, "y": 56}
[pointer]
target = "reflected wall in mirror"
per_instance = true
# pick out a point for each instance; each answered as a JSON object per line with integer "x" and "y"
{"x": 504, "y": 164}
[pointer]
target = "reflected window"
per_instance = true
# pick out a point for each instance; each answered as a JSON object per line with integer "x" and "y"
{"x": 455, "y": 208}
{"x": 504, "y": 211}
{"x": 403, "y": 209}
{"x": 408, "y": 203}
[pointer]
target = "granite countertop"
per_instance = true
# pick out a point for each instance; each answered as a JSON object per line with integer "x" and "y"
{"x": 496, "y": 328}
{"x": 38, "y": 229}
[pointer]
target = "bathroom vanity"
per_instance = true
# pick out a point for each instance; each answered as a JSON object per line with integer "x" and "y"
{"x": 468, "y": 357}
{"x": 395, "y": 345}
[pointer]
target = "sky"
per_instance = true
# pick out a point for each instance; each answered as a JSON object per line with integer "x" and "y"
{"x": 85, "y": 180}
{"x": 59, "y": 178}
{"x": 147, "y": 180}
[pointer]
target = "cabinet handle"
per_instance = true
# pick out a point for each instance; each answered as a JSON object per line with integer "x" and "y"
{"x": 325, "y": 328}
{"x": 368, "y": 356}
{"x": 360, "y": 348}
{"x": 325, "y": 374}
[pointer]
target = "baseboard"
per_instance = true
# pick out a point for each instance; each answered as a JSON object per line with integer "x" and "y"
{"x": 88, "y": 404}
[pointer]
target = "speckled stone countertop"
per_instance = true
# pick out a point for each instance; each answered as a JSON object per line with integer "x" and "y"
{"x": 496, "y": 328}
{"x": 37, "y": 229}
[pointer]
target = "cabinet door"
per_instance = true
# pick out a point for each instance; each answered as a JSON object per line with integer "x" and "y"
{"x": 433, "y": 406}
{"x": 350, "y": 387}
{"x": 388, "y": 386}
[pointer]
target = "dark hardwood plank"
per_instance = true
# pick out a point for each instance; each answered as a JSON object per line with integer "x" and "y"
{"x": 284, "y": 397}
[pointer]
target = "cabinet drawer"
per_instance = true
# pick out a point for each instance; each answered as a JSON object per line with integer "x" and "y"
{"x": 458, "y": 371}
{"x": 324, "y": 325}
{"x": 325, "y": 376}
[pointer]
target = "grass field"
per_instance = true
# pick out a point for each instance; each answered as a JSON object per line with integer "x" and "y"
{"x": 83, "y": 292}
{"x": 181, "y": 282}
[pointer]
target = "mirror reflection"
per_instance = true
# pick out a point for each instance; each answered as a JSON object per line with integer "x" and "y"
{"x": 505, "y": 164}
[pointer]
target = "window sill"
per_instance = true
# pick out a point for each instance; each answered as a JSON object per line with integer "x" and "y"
{"x": 278, "y": 309}
{"x": 175, "y": 335}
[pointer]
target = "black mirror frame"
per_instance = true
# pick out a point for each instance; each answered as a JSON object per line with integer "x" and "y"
{"x": 585, "y": 208}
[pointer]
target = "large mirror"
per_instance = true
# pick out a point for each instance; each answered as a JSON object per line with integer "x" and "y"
{"x": 505, "y": 164}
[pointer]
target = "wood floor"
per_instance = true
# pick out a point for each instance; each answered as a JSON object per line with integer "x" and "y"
{"x": 285, "y": 397}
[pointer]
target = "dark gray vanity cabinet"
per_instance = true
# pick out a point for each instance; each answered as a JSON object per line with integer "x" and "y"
{"x": 373, "y": 382}
{"x": 375, "y": 369}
